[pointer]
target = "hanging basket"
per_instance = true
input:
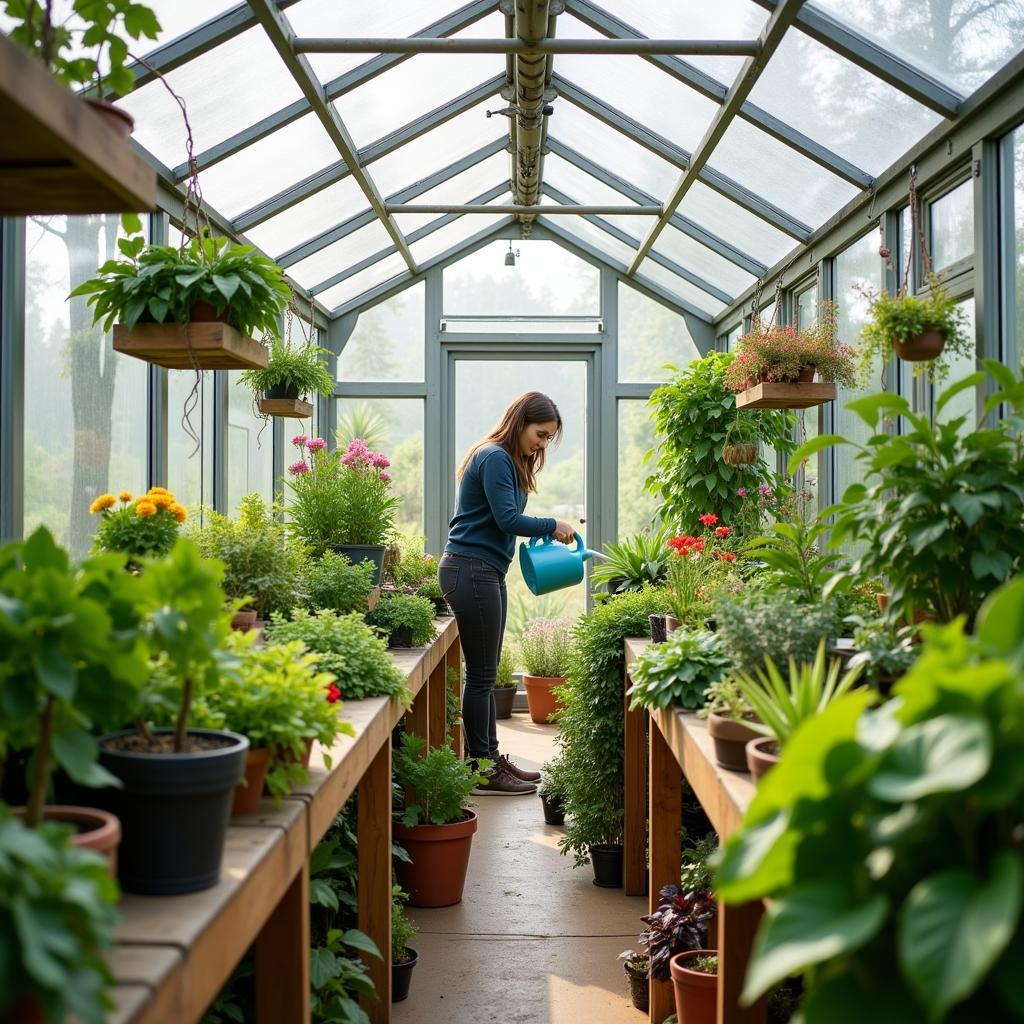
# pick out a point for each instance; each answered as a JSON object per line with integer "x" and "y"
{"x": 919, "y": 348}
{"x": 293, "y": 408}
{"x": 214, "y": 346}
{"x": 739, "y": 454}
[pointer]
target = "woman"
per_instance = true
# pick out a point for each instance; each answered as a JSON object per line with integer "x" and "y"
{"x": 494, "y": 480}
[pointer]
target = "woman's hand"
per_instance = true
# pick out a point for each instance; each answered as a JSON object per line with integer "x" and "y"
{"x": 564, "y": 532}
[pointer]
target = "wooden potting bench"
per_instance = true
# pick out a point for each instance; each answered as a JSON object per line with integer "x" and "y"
{"x": 174, "y": 953}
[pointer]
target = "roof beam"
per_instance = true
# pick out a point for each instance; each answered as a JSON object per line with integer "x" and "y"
{"x": 706, "y": 85}
{"x": 771, "y": 37}
{"x": 608, "y": 210}
{"x": 679, "y": 157}
{"x": 627, "y": 45}
{"x": 678, "y": 221}
{"x": 335, "y": 172}
{"x": 869, "y": 55}
{"x": 454, "y": 22}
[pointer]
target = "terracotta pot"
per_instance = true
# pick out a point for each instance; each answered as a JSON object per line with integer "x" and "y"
{"x": 760, "y": 759}
{"x": 543, "y": 703}
{"x": 244, "y": 620}
{"x": 696, "y": 992}
{"x": 440, "y": 859}
{"x": 658, "y": 632}
{"x": 806, "y": 375}
{"x": 401, "y": 975}
{"x": 671, "y": 624}
{"x": 739, "y": 454}
{"x": 120, "y": 121}
{"x": 730, "y": 738}
{"x": 94, "y": 830}
{"x": 249, "y": 792}
{"x": 204, "y": 312}
{"x": 25, "y": 1010}
{"x": 639, "y": 989}
{"x": 287, "y": 755}
{"x": 883, "y": 602}
{"x": 920, "y": 347}
{"x": 504, "y": 697}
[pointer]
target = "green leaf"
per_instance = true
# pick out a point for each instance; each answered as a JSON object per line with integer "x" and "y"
{"x": 807, "y": 926}
{"x": 812, "y": 447}
{"x": 969, "y": 507}
{"x": 227, "y": 285}
{"x": 991, "y": 563}
{"x": 32, "y": 924}
{"x": 1000, "y": 625}
{"x": 323, "y": 966}
{"x": 55, "y": 672}
{"x": 756, "y": 860}
{"x": 361, "y": 941}
{"x": 321, "y": 893}
{"x": 869, "y": 408}
{"x": 946, "y": 754}
{"x": 954, "y": 927}
{"x": 948, "y": 394}
{"x": 76, "y": 752}
{"x": 131, "y": 223}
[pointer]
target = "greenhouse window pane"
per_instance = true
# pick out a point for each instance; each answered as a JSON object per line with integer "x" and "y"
{"x": 177, "y": 17}
{"x": 733, "y": 337}
{"x": 455, "y": 232}
{"x": 389, "y": 267}
{"x": 461, "y": 188}
{"x": 637, "y": 508}
{"x": 233, "y": 85}
{"x": 650, "y": 336}
{"x": 806, "y": 307}
{"x": 960, "y": 366}
{"x": 951, "y": 226}
{"x": 387, "y": 342}
{"x": 1013, "y": 247}
{"x": 779, "y": 174}
{"x": 962, "y": 44}
{"x": 689, "y": 253}
{"x": 840, "y": 105}
{"x": 680, "y": 289}
{"x": 546, "y": 280}
{"x": 619, "y": 254}
{"x": 269, "y": 166}
{"x": 190, "y": 472}
{"x": 340, "y": 255}
{"x": 250, "y": 447}
{"x": 580, "y": 186}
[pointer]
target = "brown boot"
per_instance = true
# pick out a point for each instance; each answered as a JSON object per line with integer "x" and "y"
{"x": 501, "y": 782}
{"x": 522, "y": 774}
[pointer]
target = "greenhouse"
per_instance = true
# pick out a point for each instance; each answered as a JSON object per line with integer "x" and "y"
{"x": 619, "y": 403}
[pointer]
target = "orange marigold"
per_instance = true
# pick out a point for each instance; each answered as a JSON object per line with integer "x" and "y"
{"x": 145, "y": 509}
{"x": 178, "y": 511}
{"x": 160, "y": 500}
{"x": 126, "y": 496}
{"x": 160, "y": 490}
{"x": 104, "y": 501}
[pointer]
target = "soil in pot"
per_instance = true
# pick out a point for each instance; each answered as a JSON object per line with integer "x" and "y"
{"x": 696, "y": 991}
{"x": 119, "y": 120}
{"x": 249, "y": 792}
{"x": 762, "y": 756}
{"x": 554, "y": 809}
{"x": 730, "y": 738}
{"x": 921, "y": 347}
{"x": 542, "y": 701}
{"x": 401, "y": 975}
{"x": 639, "y": 989}
{"x": 658, "y": 632}
{"x": 440, "y": 858}
{"x": 606, "y": 859}
{"x": 282, "y": 391}
{"x": 504, "y": 698}
{"x": 94, "y": 829}
{"x": 401, "y": 637}
{"x": 174, "y": 808}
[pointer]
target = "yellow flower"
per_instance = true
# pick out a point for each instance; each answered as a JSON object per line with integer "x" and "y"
{"x": 160, "y": 490}
{"x": 104, "y": 501}
{"x": 160, "y": 500}
{"x": 178, "y": 512}
{"x": 125, "y": 496}
{"x": 145, "y": 509}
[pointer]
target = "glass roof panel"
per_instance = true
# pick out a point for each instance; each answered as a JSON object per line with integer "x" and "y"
{"x": 779, "y": 174}
{"x": 456, "y": 232}
{"x": 392, "y": 266}
{"x": 462, "y": 188}
{"x": 578, "y": 185}
{"x": 436, "y": 149}
{"x": 611, "y": 149}
{"x": 617, "y": 253}
{"x": 304, "y": 220}
{"x": 701, "y": 260}
{"x": 177, "y": 17}
{"x": 962, "y": 44}
{"x": 233, "y": 85}
{"x": 340, "y": 255}
{"x": 676, "y": 286}
{"x": 269, "y": 166}
{"x": 748, "y": 233}
{"x": 839, "y": 104}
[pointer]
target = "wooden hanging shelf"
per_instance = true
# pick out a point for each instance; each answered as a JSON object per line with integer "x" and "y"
{"x": 56, "y": 154}
{"x": 295, "y": 408}
{"x": 215, "y": 346}
{"x": 770, "y": 395}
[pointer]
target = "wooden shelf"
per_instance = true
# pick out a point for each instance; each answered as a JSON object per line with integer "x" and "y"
{"x": 214, "y": 346}
{"x": 785, "y": 396}
{"x": 56, "y": 154}
{"x": 294, "y": 408}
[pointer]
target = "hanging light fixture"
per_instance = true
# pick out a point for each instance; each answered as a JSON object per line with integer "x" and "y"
{"x": 510, "y": 256}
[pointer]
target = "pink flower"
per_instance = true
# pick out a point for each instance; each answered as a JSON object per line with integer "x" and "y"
{"x": 357, "y": 447}
{"x": 742, "y": 492}
{"x": 386, "y": 477}
{"x": 302, "y": 466}
{"x": 316, "y": 444}
{"x": 379, "y": 460}
{"x": 765, "y": 490}
{"x": 299, "y": 440}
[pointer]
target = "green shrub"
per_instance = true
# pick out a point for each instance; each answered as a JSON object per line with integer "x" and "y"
{"x": 544, "y": 647}
{"x": 414, "y": 565}
{"x": 346, "y": 647}
{"x": 592, "y": 719}
{"x": 402, "y": 611}
{"x": 431, "y": 590}
{"x": 334, "y": 582}
{"x": 633, "y": 562}
{"x": 440, "y": 780}
{"x": 678, "y": 672}
{"x": 506, "y": 679}
{"x": 402, "y": 929}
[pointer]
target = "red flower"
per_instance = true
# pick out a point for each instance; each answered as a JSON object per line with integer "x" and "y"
{"x": 722, "y": 531}
{"x": 725, "y": 556}
{"x": 333, "y": 694}
{"x": 708, "y": 519}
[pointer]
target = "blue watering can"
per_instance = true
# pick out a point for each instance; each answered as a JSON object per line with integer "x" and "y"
{"x": 548, "y": 565}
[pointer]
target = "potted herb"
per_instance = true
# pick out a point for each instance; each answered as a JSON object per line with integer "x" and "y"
{"x": 678, "y": 672}
{"x": 434, "y": 822}
{"x": 140, "y": 527}
{"x": 728, "y": 715}
{"x": 407, "y": 621}
{"x": 638, "y": 972}
{"x": 58, "y": 909}
{"x": 679, "y": 923}
{"x": 431, "y": 590}
{"x": 342, "y": 501}
{"x": 293, "y": 372}
{"x": 543, "y": 649}
{"x": 505, "y": 683}
{"x": 695, "y": 981}
{"x": 403, "y": 957}
{"x": 334, "y": 582}
{"x": 552, "y": 791}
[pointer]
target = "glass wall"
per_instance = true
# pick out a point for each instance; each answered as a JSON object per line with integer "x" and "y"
{"x": 250, "y": 445}
{"x": 190, "y": 436}
{"x": 651, "y": 336}
{"x": 637, "y": 509}
{"x": 387, "y": 342}
{"x": 951, "y": 226}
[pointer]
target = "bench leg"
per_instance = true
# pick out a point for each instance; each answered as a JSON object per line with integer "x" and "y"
{"x": 282, "y": 957}
{"x": 436, "y": 707}
{"x": 375, "y": 879}
{"x": 737, "y": 926}
{"x": 634, "y": 864}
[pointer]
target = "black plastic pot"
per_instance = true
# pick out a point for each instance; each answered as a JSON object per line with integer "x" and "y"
{"x": 401, "y": 637}
{"x": 658, "y": 632}
{"x": 174, "y": 811}
{"x": 283, "y": 391}
{"x": 639, "y": 990}
{"x": 401, "y": 976}
{"x": 554, "y": 809}
{"x": 607, "y": 861}
{"x": 366, "y": 552}
{"x": 504, "y": 696}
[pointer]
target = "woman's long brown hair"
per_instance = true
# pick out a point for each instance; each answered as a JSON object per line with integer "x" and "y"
{"x": 533, "y": 407}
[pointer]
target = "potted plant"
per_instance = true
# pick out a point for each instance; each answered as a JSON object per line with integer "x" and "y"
{"x": 434, "y": 822}
{"x": 58, "y": 909}
{"x": 679, "y": 923}
{"x": 405, "y": 620}
{"x": 140, "y": 527}
{"x": 543, "y": 649}
{"x": 413, "y": 565}
{"x": 633, "y": 563}
{"x": 884, "y": 652}
{"x": 728, "y": 715}
{"x": 177, "y": 784}
{"x": 505, "y": 684}
{"x": 695, "y": 981}
{"x": 678, "y": 672}
{"x": 347, "y": 648}
{"x": 292, "y": 373}
{"x": 334, "y": 582}
{"x": 431, "y": 590}
{"x": 638, "y": 972}
{"x": 342, "y": 501}
{"x": 552, "y": 791}
{"x": 403, "y": 957}
{"x": 697, "y": 567}
{"x": 739, "y": 446}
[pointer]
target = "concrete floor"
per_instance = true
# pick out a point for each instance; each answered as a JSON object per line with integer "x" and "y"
{"x": 533, "y": 941}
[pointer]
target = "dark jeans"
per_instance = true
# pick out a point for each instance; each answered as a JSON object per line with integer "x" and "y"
{"x": 477, "y": 595}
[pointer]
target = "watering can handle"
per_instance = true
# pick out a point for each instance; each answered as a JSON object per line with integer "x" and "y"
{"x": 549, "y": 539}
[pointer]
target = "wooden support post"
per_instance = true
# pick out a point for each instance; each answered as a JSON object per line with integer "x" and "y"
{"x": 737, "y": 926}
{"x": 282, "y": 956}
{"x": 634, "y": 862}
{"x": 436, "y": 708}
{"x": 374, "y": 855}
{"x": 665, "y": 814}
{"x": 453, "y": 661}
{"x": 417, "y": 719}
